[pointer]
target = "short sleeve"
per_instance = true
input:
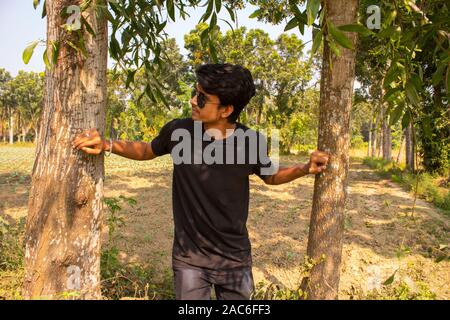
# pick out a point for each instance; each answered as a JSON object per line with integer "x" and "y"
{"x": 264, "y": 167}
{"x": 161, "y": 144}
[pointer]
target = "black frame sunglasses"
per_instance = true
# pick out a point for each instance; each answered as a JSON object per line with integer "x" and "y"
{"x": 201, "y": 98}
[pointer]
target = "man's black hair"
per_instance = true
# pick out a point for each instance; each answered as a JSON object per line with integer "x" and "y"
{"x": 233, "y": 84}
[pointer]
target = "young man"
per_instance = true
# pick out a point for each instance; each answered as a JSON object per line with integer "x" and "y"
{"x": 210, "y": 200}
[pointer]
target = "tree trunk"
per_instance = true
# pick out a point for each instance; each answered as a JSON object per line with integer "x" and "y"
{"x": 369, "y": 144}
{"x": 330, "y": 188}
{"x": 401, "y": 146}
{"x": 375, "y": 136}
{"x": 380, "y": 136}
{"x": 35, "y": 135}
{"x": 409, "y": 148}
{"x": 63, "y": 225}
{"x": 19, "y": 125}
{"x": 11, "y": 126}
{"x": 2, "y": 125}
{"x": 387, "y": 138}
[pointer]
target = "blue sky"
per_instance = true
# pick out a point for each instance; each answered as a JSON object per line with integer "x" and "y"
{"x": 20, "y": 24}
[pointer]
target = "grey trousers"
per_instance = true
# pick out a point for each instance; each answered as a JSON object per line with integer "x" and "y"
{"x": 196, "y": 284}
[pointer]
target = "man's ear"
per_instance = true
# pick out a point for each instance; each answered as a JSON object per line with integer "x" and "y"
{"x": 228, "y": 110}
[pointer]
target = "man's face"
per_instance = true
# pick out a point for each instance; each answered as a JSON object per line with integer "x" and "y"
{"x": 212, "y": 110}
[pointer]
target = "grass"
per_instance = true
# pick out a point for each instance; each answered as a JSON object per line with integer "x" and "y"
{"x": 118, "y": 280}
{"x": 427, "y": 184}
{"x": 121, "y": 280}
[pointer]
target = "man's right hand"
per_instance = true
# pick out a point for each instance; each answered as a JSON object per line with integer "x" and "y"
{"x": 89, "y": 141}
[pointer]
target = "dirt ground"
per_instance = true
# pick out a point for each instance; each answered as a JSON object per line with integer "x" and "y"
{"x": 382, "y": 237}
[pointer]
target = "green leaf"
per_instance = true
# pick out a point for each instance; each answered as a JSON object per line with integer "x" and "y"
{"x": 312, "y": 8}
{"x": 213, "y": 52}
{"x": 396, "y": 114}
{"x": 44, "y": 10}
{"x": 46, "y": 61}
{"x": 291, "y": 24}
{"x": 161, "y": 97}
{"x": 82, "y": 46}
{"x": 88, "y": 26}
{"x": 231, "y": 13}
{"x": 391, "y": 94}
{"x": 301, "y": 28}
{"x": 406, "y": 120}
{"x": 391, "y": 76}
{"x": 150, "y": 94}
{"x": 36, "y": 3}
{"x": 218, "y": 5}
{"x": 161, "y": 26}
{"x": 441, "y": 258}
{"x": 336, "y": 50}
{"x": 204, "y": 36}
{"x": 411, "y": 93}
{"x": 255, "y": 14}
{"x": 55, "y": 52}
{"x": 72, "y": 45}
{"x": 359, "y": 28}
{"x": 213, "y": 21}
{"x": 229, "y": 24}
{"x": 171, "y": 9}
{"x": 28, "y": 52}
{"x": 438, "y": 75}
{"x": 208, "y": 11}
{"x": 387, "y": 33}
{"x": 339, "y": 36}
{"x": 390, "y": 279}
{"x": 130, "y": 78}
{"x": 114, "y": 47}
{"x": 391, "y": 16}
{"x": 316, "y": 42}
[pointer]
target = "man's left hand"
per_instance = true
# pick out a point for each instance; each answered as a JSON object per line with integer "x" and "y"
{"x": 318, "y": 161}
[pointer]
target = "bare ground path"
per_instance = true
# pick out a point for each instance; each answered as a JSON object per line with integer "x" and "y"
{"x": 381, "y": 237}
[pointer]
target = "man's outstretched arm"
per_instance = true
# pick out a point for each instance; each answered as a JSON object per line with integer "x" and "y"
{"x": 91, "y": 142}
{"x": 317, "y": 163}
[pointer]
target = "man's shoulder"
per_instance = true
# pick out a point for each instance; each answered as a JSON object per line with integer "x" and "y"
{"x": 179, "y": 123}
{"x": 247, "y": 130}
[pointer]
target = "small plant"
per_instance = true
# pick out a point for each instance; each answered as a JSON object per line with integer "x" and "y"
{"x": 121, "y": 280}
{"x": 274, "y": 291}
{"x": 402, "y": 251}
{"x": 11, "y": 244}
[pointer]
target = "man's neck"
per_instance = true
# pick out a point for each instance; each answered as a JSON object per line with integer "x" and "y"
{"x": 222, "y": 127}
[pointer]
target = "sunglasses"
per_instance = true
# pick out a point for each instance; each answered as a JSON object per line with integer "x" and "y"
{"x": 201, "y": 98}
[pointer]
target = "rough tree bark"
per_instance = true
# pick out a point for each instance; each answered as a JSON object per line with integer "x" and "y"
{"x": 409, "y": 148}
{"x": 63, "y": 225}
{"x": 35, "y": 139}
{"x": 387, "y": 137}
{"x": 387, "y": 140}
{"x": 327, "y": 217}
{"x": 11, "y": 126}
{"x": 369, "y": 144}
{"x": 375, "y": 136}
{"x": 401, "y": 147}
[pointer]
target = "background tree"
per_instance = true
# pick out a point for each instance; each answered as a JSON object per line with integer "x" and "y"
{"x": 5, "y": 78}
{"x": 28, "y": 88}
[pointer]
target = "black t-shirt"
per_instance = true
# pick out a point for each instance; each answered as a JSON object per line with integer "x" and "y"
{"x": 210, "y": 200}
